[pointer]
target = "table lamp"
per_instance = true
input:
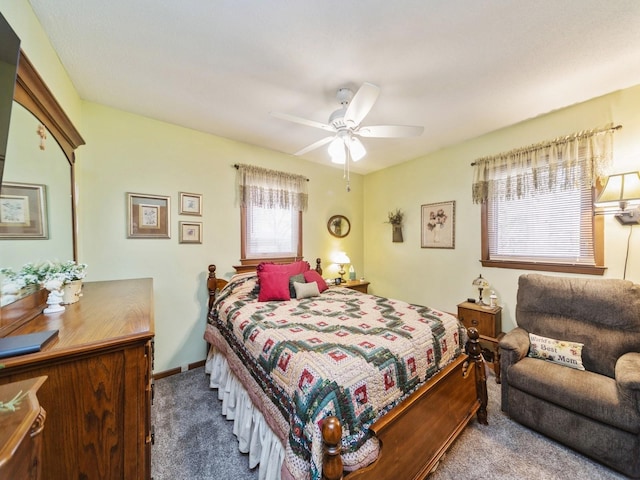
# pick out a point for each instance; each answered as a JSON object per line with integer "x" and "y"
{"x": 341, "y": 259}
{"x": 480, "y": 283}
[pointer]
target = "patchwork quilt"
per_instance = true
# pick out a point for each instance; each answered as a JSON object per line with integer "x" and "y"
{"x": 342, "y": 353}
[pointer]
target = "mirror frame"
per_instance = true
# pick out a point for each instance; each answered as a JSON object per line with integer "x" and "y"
{"x": 332, "y": 230}
{"x": 33, "y": 94}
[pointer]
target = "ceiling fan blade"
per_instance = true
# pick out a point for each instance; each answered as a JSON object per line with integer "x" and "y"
{"x": 390, "y": 131}
{"x": 303, "y": 121}
{"x": 315, "y": 145}
{"x": 361, "y": 104}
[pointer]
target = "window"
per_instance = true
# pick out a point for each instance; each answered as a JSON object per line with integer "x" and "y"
{"x": 272, "y": 232}
{"x": 537, "y": 205}
{"x": 271, "y": 214}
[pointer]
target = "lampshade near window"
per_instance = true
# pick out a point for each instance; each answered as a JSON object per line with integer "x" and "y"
{"x": 622, "y": 193}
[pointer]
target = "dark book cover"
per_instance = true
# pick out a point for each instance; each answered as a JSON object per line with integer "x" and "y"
{"x": 23, "y": 344}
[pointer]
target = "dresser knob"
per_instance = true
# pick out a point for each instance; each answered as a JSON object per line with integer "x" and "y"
{"x": 474, "y": 322}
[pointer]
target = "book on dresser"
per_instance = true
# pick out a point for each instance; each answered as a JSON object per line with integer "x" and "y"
{"x": 27, "y": 343}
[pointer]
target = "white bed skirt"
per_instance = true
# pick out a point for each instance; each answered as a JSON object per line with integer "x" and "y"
{"x": 249, "y": 426}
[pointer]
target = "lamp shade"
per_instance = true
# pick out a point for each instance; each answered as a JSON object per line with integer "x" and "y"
{"x": 337, "y": 151}
{"x": 356, "y": 149}
{"x": 619, "y": 190}
{"x": 480, "y": 282}
{"x": 340, "y": 258}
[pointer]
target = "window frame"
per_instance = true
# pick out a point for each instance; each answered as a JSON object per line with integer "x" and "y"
{"x": 598, "y": 247}
{"x": 252, "y": 262}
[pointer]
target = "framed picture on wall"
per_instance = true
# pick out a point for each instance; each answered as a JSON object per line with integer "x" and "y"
{"x": 190, "y": 232}
{"x": 148, "y": 216}
{"x": 23, "y": 211}
{"x": 190, "y": 204}
{"x": 438, "y": 225}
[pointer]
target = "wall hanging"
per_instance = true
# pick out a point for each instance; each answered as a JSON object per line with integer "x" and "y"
{"x": 438, "y": 225}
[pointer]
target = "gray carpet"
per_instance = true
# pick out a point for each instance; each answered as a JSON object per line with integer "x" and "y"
{"x": 194, "y": 441}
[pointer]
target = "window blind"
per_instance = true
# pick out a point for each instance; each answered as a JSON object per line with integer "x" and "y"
{"x": 551, "y": 225}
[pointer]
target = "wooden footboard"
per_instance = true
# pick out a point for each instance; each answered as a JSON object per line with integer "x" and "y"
{"x": 414, "y": 436}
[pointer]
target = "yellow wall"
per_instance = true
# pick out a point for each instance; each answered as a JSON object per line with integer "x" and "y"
{"x": 442, "y": 278}
{"x": 130, "y": 153}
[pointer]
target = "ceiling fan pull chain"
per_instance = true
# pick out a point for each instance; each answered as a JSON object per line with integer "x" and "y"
{"x": 346, "y": 167}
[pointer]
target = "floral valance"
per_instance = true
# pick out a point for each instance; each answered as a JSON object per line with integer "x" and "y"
{"x": 261, "y": 187}
{"x": 519, "y": 171}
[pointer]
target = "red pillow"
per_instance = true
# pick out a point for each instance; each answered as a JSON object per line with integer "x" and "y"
{"x": 290, "y": 268}
{"x": 273, "y": 286}
{"x": 313, "y": 276}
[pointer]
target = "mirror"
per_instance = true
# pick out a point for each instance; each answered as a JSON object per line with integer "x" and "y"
{"x": 29, "y": 166}
{"x": 339, "y": 226}
{"x": 53, "y": 167}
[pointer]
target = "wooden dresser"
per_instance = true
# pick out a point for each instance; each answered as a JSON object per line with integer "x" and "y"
{"x": 21, "y": 428}
{"x": 98, "y": 392}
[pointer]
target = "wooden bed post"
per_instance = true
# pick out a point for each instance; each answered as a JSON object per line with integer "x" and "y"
{"x": 475, "y": 354}
{"x": 318, "y": 267}
{"x": 212, "y": 285}
{"x": 331, "y": 461}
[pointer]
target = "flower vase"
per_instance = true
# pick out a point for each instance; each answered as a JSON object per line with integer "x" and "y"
{"x": 71, "y": 292}
{"x": 397, "y": 233}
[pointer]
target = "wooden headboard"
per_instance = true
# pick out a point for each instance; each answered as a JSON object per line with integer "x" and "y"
{"x": 214, "y": 285}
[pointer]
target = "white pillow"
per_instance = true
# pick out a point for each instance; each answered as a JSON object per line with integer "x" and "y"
{"x": 561, "y": 352}
{"x": 306, "y": 290}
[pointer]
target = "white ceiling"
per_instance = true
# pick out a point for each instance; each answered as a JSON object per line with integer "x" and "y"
{"x": 460, "y": 68}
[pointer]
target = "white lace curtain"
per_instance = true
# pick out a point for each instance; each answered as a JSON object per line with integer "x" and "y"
{"x": 520, "y": 172}
{"x": 261, "y": 187}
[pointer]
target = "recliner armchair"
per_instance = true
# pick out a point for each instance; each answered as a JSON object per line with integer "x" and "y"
{"x": 595, "y": 411}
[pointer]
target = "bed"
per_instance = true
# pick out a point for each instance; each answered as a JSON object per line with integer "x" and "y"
{"x": 336, "y": 382}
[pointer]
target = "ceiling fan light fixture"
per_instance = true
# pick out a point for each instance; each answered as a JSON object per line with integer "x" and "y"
{"x": 337, "y": 151}
{"x": 356, "y": 149}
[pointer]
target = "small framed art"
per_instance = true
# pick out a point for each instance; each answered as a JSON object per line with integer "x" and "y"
{"x": 23, "y": 211}
{"x": 190, "y": 232}
{"x": 438, "y": 225}
{"x": 148, "y": 216}
{"x": 190, "y": 204}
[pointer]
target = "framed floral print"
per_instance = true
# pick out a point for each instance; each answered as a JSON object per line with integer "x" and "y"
{"x": 190, "y": 204}
{"x": 148, "y": 216}
{"x": 190, "y": 232}
{"x": 438, "y": 225}
{"x": 23, "y": 211}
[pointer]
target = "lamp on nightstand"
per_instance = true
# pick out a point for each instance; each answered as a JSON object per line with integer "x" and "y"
{"x": 341, "y": 259}
{"x": 480, "y": 283}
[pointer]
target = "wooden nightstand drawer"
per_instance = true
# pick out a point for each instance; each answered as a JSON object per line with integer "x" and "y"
{"x": 488, "y": 321}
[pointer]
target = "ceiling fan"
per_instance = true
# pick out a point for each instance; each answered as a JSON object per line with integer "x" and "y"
{"x": 344, "y": 124}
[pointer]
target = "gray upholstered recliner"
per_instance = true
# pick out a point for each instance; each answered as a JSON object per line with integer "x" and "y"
{"x": 595, "y": 411}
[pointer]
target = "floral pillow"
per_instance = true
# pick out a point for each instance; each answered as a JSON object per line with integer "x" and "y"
{"x": 561, "y": 352}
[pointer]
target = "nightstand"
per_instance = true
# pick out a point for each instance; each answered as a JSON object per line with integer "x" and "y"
{"x": 488, "y": 321}
{"x": 359, "y": 285}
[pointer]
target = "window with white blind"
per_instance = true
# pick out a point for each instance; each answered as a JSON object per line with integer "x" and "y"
{"x": 537, "y": 204}
{"x": 271, "y": 206}
{"x": 552, "y": 225}
{"x": 272, "y": 232}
